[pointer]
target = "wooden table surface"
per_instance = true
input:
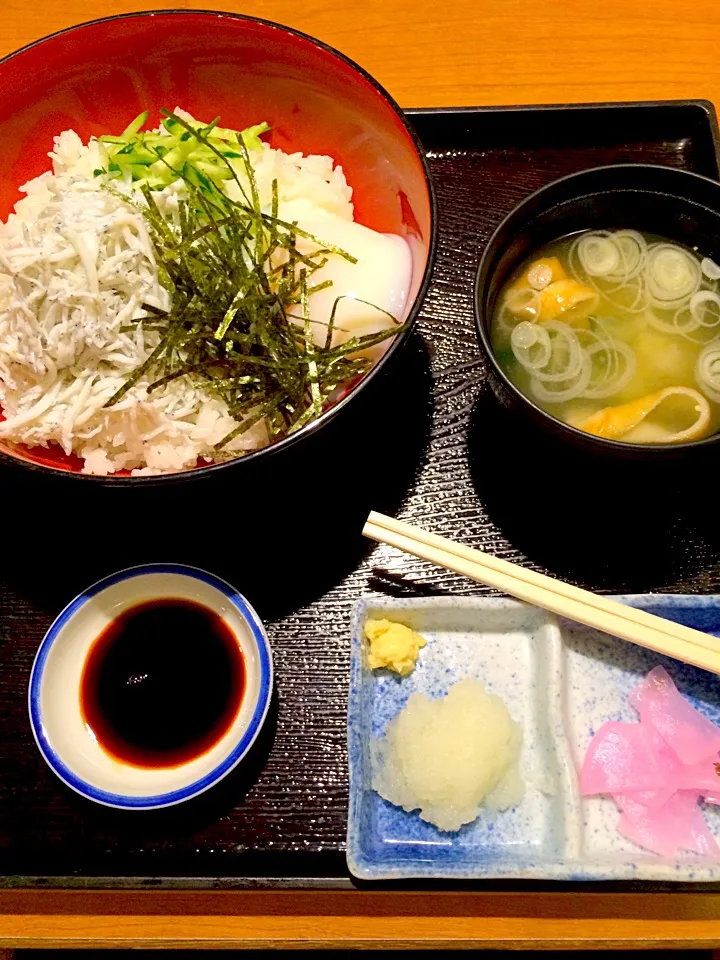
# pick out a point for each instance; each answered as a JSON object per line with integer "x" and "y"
{"x": 427, "y": 53}
{"x": 433, "y": 53}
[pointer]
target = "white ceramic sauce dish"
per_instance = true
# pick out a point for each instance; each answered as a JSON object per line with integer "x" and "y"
{"x": 69, "y": 745}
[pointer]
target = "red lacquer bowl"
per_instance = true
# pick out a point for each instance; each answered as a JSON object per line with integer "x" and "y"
{"x": 96, "y": 77}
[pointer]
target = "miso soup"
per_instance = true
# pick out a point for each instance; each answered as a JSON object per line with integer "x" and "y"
{"x": 616, "y": 333}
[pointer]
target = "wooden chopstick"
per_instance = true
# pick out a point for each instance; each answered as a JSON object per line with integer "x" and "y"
{"x": 601, "y": 613}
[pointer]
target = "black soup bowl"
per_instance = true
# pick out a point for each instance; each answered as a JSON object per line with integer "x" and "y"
{"x": 682, "y": 206}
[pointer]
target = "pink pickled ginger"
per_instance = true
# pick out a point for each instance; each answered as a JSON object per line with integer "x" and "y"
{"x": 657, "y": 769}
{"x": 691, "y": 735}
{"x": 702, "y": 778}
{"x": 679, "y": 825}
{"x": 624, "y": 757}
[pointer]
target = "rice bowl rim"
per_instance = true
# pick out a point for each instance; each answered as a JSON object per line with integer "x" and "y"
{"x": 196, "y": 473}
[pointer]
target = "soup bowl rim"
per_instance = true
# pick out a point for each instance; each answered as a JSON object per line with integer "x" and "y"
{"x": 484, "y": 275}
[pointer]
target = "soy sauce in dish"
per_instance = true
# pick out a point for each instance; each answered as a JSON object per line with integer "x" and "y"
{"x": 162, "y": 683}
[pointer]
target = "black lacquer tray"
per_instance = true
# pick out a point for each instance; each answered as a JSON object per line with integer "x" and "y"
{"x": 428, "y": 444}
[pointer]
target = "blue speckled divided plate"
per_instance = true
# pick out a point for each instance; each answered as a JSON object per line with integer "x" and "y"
{"x": 560, "y": 681}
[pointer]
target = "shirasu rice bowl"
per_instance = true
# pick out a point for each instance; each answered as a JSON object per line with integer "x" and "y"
{"x": 77, "y": 270}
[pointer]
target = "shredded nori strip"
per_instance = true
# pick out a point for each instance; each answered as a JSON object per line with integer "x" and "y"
{"x": 238, "y": 282}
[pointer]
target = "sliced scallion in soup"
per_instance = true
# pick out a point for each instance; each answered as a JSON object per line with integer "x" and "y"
{"x": 617, "y": 333}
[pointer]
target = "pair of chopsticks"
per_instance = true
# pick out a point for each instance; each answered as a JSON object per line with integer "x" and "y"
{"x": 601, "y": 613}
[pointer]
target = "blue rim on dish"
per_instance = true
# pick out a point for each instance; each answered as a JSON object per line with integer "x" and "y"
{"x": 585, "y": 678}
{"x": 204, "y": 783}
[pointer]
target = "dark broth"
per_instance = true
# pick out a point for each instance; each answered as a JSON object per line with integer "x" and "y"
{"x": 162, "y": 683}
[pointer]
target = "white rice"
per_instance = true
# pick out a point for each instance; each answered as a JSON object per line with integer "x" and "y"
{"x": 76, "y": 263}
